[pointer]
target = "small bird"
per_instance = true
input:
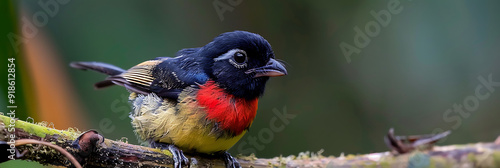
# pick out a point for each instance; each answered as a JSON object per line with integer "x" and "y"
{"x": 203, "y": 100}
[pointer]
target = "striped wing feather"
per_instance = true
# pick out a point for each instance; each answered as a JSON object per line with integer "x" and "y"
{"x": 138, "y": 78}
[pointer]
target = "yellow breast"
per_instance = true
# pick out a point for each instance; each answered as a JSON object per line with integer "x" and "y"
{"x": 183, "y": 124}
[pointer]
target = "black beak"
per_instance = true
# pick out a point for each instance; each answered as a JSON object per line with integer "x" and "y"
{"x": 271, "y": 69}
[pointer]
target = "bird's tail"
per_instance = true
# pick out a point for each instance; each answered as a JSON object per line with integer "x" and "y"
{"x": 104, "y": 68}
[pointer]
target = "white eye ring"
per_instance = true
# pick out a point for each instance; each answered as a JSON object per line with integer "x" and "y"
{"x": 238, "y": 65}
{"x": 230, "y": 57}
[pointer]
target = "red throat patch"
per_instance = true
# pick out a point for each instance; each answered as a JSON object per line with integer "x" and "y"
{"x": 232, "y": 113}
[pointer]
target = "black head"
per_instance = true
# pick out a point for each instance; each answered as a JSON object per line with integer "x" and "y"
{"x": 241, "y": 62}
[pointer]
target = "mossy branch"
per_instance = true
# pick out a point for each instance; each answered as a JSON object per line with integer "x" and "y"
{"x": 109, "y": 153}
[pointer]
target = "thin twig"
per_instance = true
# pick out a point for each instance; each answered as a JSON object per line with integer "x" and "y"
{"x": 20, "y": 142}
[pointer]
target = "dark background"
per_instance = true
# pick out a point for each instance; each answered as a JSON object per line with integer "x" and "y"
{"x": 428, "y": 57}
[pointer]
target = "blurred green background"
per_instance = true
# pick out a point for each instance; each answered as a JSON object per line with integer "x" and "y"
{"x": 427, "y": 58}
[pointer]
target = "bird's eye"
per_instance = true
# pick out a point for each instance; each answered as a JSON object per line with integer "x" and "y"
{"x": 240, "y": 57}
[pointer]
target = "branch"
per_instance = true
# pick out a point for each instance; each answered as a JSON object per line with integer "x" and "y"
{"x": 99, "y": 152}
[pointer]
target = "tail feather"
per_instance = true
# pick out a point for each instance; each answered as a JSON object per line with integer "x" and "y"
{"x": 104, "y": 68}
{"x": 137, "y": 79}
{"x": 99, "y": 67}
{"x": 103, "y": 84}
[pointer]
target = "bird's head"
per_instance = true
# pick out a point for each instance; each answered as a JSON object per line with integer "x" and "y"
{"x": 241, "y": 63}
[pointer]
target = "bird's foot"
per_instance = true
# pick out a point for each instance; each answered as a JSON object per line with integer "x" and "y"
{"x": 177, "y": 154}
{"x": 231, "y": 162}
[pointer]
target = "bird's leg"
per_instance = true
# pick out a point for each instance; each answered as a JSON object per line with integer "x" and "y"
{"x": 177, "y": 155}
{"x": 231, "y": 162}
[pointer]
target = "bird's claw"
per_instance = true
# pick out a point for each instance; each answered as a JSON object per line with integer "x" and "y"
{"x": 231, "y": 162}
{"x": 177, "y": 155}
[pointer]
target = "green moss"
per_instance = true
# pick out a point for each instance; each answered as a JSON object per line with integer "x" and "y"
{"x": 471, "y": 157}
{"x": 166, "y": 152}
{"x": 437, "y": 161}
{"x": 418, "y": 160}
{"x": 371, "y": 165}
{"x": 38, "y": 130}
{"x": 350, "y": 156}
{"x": 249, "y": 157}
{"x": 496, "y": 159}
{"x": 385, "y": 164}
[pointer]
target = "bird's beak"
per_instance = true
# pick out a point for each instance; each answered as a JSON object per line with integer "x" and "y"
{"x": 271, "y": 69}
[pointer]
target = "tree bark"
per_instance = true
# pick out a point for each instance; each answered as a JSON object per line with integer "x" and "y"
{"x": 100, "y": 152}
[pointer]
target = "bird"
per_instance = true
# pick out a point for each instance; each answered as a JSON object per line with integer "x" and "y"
{"x": 203, "y": 100}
